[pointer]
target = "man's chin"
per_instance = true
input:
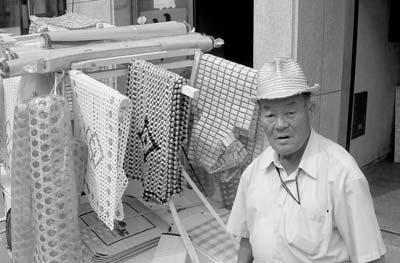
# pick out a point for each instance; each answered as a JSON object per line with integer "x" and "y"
{"x": 283, "y": 149}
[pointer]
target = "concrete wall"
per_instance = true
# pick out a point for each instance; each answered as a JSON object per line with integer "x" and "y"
{"x": 115, "y": 12}
{"x": 377, "y": 72}
{"x": 320, "y": 51}
{"x": 313, "y": 31}
{"x": 274, "y": 30}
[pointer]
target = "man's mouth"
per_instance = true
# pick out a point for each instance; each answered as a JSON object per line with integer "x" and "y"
{"x": 283, "y": 138}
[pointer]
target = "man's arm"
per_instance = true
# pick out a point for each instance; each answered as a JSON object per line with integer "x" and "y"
{"x": 245, "y": 253}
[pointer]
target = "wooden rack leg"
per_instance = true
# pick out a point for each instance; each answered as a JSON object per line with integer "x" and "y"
{"x": 206, "y": 203}
{"x": 184, "y": 235}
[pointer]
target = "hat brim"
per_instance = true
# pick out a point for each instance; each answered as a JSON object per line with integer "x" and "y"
{"x": 286, "y": 94}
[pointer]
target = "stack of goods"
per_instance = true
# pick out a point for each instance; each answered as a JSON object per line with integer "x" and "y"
{"x": 226, "y": 132}
{"x": 65, "y": 22}
{"x": 139, "y": 231}
{"x": 44, "y": 198}
{"x": 158, "y": 129}
{"x": 57, "y": 50}
{"x": 102, "y": 116}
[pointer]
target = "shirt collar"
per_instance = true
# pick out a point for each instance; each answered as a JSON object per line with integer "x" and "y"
{"x": 308, "y": 162}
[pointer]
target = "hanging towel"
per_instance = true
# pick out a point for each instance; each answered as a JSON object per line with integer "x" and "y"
{"x": 102, "y": 116}
{"x": 226, "y": 134}
{"x": 158, "y": 129}
{"x": 223, "y": 105}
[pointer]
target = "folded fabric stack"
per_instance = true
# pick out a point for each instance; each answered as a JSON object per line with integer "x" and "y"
{"x": 65, "y": 22}
{"x": 214, "y": 240}
{"x": 139, "y": 231}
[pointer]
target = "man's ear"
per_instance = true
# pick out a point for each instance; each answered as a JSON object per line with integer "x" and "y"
{"x": 311, "y": 106}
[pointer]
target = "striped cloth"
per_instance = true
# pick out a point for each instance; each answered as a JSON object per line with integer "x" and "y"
{"x": 223, "y": 105}
{"x": 213, "y": 239}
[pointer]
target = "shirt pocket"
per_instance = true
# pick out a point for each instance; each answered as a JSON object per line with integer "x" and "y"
{"x": 304, "y": 230}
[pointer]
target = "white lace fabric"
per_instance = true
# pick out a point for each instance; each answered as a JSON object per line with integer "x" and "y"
{"x": 103, "y": 117}
{"x": 9, "y": 90}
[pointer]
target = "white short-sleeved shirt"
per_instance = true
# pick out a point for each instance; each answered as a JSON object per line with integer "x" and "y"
{"x": 335, "y": 221}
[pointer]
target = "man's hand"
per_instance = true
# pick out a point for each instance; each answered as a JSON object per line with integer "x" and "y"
{"x": 245, "y": 253}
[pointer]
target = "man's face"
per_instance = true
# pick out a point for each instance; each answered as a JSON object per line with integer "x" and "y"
{"x": 286, "y": 122}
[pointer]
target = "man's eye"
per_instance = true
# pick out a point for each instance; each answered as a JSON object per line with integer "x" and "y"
{"x": 291, "y": 113}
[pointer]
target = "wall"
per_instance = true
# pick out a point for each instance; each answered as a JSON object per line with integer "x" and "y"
{"x": 377, "y": 70}
{"x": 314, "y": 32}
{"x": 116, "y": 12}
{"x": 274, "y": 32}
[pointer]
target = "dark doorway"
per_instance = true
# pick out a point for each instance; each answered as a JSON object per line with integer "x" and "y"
{"x": 231, "y": 22}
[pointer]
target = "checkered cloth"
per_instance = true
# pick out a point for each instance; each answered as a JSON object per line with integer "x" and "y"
{"x": 158, "y": 129}
{"x": 223, "y": 105}
{"x": 213, "y": 239}
{"x": 226, "y": 134}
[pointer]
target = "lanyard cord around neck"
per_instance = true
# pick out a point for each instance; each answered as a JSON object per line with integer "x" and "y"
{"x": 287, "y": 189}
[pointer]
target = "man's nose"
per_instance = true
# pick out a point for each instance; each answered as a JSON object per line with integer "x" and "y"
{"x": 281, "y": 122}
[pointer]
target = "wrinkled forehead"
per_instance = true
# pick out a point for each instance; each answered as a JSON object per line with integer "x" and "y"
{"x": 289, "y": 102}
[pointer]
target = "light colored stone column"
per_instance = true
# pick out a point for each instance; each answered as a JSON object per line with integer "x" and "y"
{"x": 275, "y": 30}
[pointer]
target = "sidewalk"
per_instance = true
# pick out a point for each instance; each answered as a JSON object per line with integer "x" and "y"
{"x": 384, "y": 180}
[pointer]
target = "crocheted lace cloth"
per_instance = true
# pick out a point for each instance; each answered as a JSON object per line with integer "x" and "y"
{"x": 102, "y": 117}
{"x": 8, "y": 97}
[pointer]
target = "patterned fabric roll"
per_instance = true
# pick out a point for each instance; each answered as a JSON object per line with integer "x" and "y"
{"x": 44, "y": 195}
{"x": 21, "y": 182}
{"x": 158, "y": 129}
{"x": 55, "y": 197}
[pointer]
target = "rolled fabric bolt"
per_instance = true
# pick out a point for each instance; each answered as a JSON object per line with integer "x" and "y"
{"x": 132, "y": 32}
{"x": 52, "y": 60}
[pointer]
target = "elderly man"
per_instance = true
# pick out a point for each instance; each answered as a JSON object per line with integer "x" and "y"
{"x": 304, "y": 199}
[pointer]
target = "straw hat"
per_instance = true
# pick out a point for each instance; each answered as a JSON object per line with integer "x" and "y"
{"x": 281, "y": 78}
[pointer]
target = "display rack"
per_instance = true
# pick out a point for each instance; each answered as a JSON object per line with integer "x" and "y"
{"x": 116, "y": 66}
{"x": 186, "y": 90}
